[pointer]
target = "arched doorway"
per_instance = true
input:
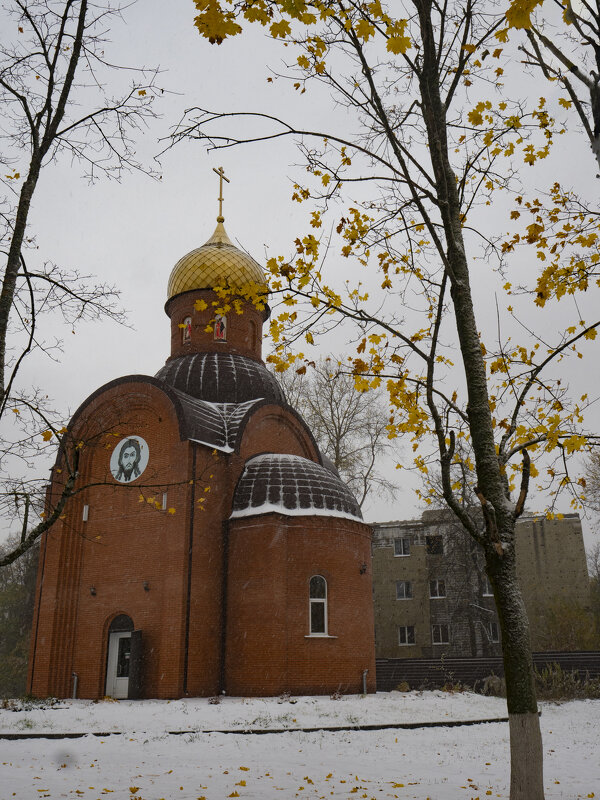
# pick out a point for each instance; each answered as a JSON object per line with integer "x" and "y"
{"x": 118, "y": 664}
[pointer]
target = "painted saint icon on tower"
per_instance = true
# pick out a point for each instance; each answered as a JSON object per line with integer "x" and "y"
{"x": 221, "y": 328}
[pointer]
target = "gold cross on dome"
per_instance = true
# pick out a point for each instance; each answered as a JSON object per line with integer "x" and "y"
{"x": 221, "y": 173}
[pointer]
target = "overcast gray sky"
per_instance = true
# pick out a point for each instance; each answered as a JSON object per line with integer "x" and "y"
{"x": 132, "y": 233}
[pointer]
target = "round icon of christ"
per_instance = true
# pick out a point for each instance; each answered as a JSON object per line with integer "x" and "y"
{"x": 129, "y": 459}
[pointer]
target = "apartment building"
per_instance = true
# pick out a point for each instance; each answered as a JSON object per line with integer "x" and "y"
{"x": 432, "y": 596}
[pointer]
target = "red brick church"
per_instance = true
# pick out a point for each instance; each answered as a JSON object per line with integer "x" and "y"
{"x": 211, "y": 547}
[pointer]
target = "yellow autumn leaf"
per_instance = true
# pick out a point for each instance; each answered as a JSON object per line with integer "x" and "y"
{"x": 213, "y": 22}
{"x": 398, "y": 44}
{"x": 280, "y": 29}
{"x": 519, "y": 13}
{"x": 574, "y": 443}
{"x": 364, "y": 29}
{"x": 47, "y": 435}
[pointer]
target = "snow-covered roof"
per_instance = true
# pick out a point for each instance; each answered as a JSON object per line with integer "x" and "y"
{"x": 292, "y": 485}
{"x": 221, "y": 378}
{"x": 213, "y": 424}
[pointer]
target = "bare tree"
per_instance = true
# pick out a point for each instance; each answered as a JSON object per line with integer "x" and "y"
{"x": 53, "y": 76}
{"x": 350, "y": 426}
{"x": 17, "y": 594}
{"x": 594, "y": 572}
{"x": 592, "y": 480}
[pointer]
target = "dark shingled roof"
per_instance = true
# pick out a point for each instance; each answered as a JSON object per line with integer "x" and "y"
{"x": 221, "y": 378}
{"x": 292, "y": 485}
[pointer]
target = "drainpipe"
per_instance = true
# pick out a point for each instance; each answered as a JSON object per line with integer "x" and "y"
{"x": 75, "y": 680}
{"x": 365, "y": 673}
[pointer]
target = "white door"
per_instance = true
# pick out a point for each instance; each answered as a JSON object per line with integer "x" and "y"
{"x": 117, "y": 671}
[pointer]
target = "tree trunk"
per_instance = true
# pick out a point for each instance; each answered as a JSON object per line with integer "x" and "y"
{"x": 13, "y": 262}
{"x": 526, "y": 754}
{"x": 499, "y": 512}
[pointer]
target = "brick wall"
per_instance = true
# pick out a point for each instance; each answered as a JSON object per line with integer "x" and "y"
{"x": 244, "y": 331}
{"x": 269, "y": 649}
{"x": 177, "y": 580}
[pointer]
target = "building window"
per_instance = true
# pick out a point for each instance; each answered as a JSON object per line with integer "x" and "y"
{"x": 487, "y": 587}
{"x": 437, "y": 589}
{"x": 493, "y": 631}
{"x": 220, "y": 329}
{"x": 406, "y": 634}
{"x": 402, "y": 546}
{"x": 440, "y": 634}
{"x": 434, "y": 545}
{"x": 403, "y": 590}
{"x": 186, "y": 330}
{"x": 253, "y": 339}
{"x": 318, "y": 605}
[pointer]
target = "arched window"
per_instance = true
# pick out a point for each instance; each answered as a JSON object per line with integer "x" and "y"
{"x": 318, "y": 605}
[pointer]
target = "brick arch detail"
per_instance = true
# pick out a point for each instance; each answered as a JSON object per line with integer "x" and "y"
{"x": 281, "y": 429}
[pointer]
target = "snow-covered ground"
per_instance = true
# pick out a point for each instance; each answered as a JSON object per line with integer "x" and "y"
{"x": 145, "y": 759}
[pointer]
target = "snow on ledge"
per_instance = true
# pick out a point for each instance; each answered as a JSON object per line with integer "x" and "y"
{"x": 272, "y": 508}
{"x": 224, "y": 448}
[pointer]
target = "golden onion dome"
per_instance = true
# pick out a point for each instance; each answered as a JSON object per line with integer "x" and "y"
{"x": 217, "y": 263}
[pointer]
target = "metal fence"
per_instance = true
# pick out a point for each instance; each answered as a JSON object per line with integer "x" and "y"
{"x": 433, "y": 673}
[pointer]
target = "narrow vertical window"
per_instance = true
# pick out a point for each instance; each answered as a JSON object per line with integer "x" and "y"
{"x": 220, "y": 328}
{"x": 318, "y": 605}
{"x": 186, "y": 330}
{"x": 493, "y": 631}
